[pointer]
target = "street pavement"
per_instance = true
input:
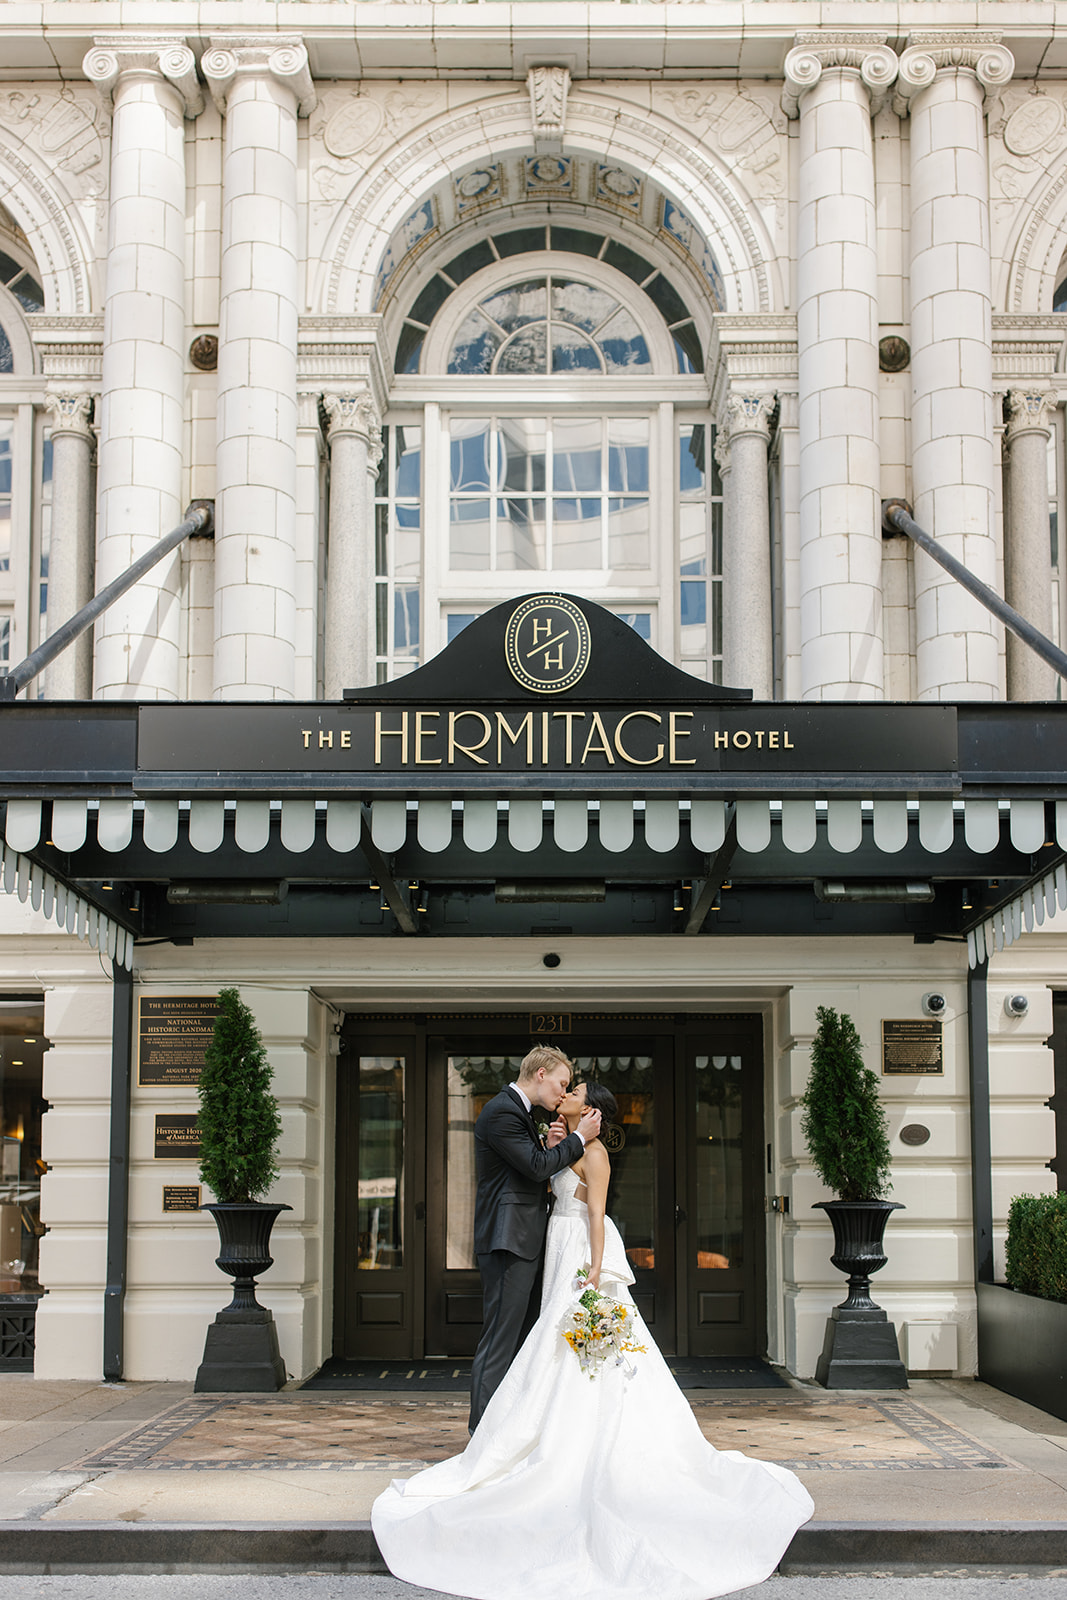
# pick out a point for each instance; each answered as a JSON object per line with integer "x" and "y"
{"x": 309, "y": 1587}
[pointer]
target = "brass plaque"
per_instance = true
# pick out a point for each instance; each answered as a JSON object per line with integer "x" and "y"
{"x": 173, "y": 1032}
{"x": 550, "y": 1022}
{"x": 912, "y": 1045}
{"x": 177, "y": 1137}
{"x": 181, "y": 1197}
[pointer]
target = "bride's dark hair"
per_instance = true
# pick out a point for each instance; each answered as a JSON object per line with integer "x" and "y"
{"x": 600, "y": 1099}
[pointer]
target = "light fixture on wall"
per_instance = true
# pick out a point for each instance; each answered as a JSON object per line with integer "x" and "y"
{"x": 893, "y": 891}
{"x": 240, "y": 892}
{"x": 967, "y": 903}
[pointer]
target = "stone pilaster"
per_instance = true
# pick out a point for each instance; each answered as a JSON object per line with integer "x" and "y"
{"x": 355, "y": 441}
{"x": 942, "y": 84}
{"x": 741, "y": 444}
{"x": 831, "y": 81}
{"x": 1027, "y": 551}
{"x": 262, "y": 85}
{"x": 70, "y": 551}
{"x": 150, "y": 87}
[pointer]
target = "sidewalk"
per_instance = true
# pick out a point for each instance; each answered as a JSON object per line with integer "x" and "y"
{"x": 149, "y": 1477}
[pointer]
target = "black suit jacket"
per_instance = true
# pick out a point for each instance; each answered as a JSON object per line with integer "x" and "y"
{"x": 511, "y": 1206}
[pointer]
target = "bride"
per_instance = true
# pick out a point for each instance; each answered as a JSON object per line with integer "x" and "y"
{"x": 597, "y": 1488}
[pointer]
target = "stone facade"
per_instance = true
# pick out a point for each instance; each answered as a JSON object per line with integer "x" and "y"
{"x": 290, "y": 270}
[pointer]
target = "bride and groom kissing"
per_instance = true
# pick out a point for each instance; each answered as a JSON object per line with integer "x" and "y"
{"x": 590, "y": 1481}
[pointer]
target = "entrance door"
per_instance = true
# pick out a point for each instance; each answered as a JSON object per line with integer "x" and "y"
{"x": 686, "y": 1188}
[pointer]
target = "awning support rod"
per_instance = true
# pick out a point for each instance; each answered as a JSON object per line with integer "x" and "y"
{"x": 897, "y": 518}
{"x": 706, "y": 890}
{"x": 199, "y": 523}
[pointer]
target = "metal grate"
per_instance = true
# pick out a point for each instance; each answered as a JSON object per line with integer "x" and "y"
{"x": 16, "y": 1335}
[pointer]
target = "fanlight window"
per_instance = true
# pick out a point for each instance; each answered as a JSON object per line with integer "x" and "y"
{"x": 549, "y": 325}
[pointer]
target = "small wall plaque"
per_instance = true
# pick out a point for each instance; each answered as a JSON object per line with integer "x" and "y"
{"x": 912, "y": 1045}
{"x": 177, "y": 1137}
{"x": 173, "y": 1032}
{"x": 914, "y": 1133}
{"x": 550, "y": 1022}
{"x": 181, "y": 1197}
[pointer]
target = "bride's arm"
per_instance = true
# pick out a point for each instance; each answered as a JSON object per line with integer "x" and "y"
{"x": 597, "y": 1173}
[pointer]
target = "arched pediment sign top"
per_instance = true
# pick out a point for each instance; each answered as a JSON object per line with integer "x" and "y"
{"x": 381, "y": 210}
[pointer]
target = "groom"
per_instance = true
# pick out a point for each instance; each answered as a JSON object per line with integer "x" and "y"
{"x": 511, "y": 1208}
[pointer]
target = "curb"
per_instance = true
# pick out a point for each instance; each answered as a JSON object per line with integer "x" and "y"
{"x": 273, "y": 1548}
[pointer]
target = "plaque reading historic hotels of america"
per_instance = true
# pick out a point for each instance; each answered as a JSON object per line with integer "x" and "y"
{"x": 177, "y": 1137}
{"x": 173, "y": 1033}
{"x": 912, "y": 1046}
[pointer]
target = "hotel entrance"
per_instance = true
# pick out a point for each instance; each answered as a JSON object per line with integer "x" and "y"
{"x": 686, "y": 1191}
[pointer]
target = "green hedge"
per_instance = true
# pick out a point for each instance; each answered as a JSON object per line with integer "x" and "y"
{"x": 1037, "y": 1245}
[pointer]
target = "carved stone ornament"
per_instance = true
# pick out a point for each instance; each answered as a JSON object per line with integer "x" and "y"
{"x": 1029, "y": 411}
{"x": 548, "y": 88}
{"x": 357, "y": 414}
{"x": 813, "y": 53}
{"x": 283, "y": 56}
{"x": 930, "y": 53}
{"x": 114, "y": 54}
{"x": 70, "y": 413}
{"x": 748, "y": 413}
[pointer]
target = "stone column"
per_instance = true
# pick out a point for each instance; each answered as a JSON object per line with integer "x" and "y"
{"x": 150, "y": 87}
{"x": 741, "y": 450}
{"x": 355, "y": 440}
{"x": 943, "y": 86}
{"x": 70, "y": 547}
{"x": 1027, "y": 549}
{"x": 830, "y": 80}
{"x": 262, "y": 86}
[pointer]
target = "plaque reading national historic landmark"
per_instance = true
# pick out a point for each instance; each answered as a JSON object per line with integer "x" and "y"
{"x": 173, "y": 1033}
{"x": 181, "y": 1197}
{"x": 177, "y": 1137}
{"x": 912, "y": 1045}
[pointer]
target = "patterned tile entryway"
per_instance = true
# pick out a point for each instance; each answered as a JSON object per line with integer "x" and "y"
{"x": 799, "y": 1431}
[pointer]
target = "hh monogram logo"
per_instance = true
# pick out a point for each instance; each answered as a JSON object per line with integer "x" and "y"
{"x": 546, "y": 644}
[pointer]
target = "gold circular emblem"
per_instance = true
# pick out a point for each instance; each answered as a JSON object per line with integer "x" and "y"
{"x": 546, "y": 644}
{"x": 614, "y": 1138}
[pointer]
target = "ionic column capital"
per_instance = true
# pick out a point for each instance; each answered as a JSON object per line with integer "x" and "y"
{"x": 813, "y": 53}
{"x": 1029, "y": 411}
{"x": 70, "y": 413}
{"x": 928, "y": 54}
{"x": 281, "y": 56}
{"x": 355, "y": 414}
{"x": 113, "y": 55}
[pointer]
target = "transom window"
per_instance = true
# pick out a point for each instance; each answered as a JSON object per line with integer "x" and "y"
{"x": 549, "y": 493}
{"x": 550, "y": 324}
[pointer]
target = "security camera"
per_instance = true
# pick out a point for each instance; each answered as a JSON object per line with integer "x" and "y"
{"x": 1016, "y": 1005}
{"x": 934, "y": 1004}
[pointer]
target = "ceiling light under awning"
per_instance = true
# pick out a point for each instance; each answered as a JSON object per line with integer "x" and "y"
{"x": 838, "y": 891}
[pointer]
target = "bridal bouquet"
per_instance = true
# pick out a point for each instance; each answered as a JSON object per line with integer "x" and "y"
{"x": 599, "y": 1329}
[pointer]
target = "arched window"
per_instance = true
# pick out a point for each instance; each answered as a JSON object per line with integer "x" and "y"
{"x": 549, "y": 426}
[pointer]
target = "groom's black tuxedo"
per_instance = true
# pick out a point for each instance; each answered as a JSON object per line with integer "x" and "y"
{"x": 510, "y": 1218}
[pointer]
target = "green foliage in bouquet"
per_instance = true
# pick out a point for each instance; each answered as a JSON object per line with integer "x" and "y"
{"x": 239, "y": 1121}
{"x": 1036, "y": 1250}
{"x": 844, "y": 1121}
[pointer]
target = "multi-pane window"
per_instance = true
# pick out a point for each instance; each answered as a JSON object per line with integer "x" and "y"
{"x": 549, "y": 324}
{"x": 7, "y": 428}
{"x": 699, "y": 551}
{"x": 398, "y": 551}
{"x": 549, "y": 493}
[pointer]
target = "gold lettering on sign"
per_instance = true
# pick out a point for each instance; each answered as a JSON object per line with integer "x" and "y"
{"x": 603, "y": 748}
{"x": 306, "y": 735}
{"x": 422, "y": 733}
{"x": 504, "y": 730}
{"x": 568, "y": 717}
{"x": 325, "y": 738}
{"x": 635, "y": 761}
{"x": 346, "y": 738}
{"x": 455, "y": 717}
{"x": 677, "y": 733}
{"x": 544, "y": 738}
{"x": 381, "y": 733}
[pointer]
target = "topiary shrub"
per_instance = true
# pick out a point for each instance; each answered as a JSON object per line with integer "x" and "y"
{"x": 844, "y": 1121}
{"x": 239, "y": 1122}
{"x": 1036, "y": 1252}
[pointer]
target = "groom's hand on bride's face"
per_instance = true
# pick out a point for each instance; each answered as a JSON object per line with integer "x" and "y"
{"x": 589, "y": 1125}
{"x": 556, "y": 1133}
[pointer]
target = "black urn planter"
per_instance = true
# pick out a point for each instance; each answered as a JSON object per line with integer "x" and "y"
{"x": 860, "y": 1350}
{"x": 241, "y": 1352}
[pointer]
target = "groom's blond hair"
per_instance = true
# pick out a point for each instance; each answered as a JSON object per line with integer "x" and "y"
{"x": 542, "y": 1055}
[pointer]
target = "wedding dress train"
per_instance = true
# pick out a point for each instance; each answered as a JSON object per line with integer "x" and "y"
{"x": 578, "y": 1488}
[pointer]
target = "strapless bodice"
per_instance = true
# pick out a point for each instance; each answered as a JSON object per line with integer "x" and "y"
{"x": 564, "y": 1189}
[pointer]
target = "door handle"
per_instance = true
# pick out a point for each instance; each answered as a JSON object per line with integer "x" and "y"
{"x": 679, "y": 1216}
{"x": 420, "y": 1210}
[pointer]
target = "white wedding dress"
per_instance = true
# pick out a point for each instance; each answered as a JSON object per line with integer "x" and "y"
{"x": 578, "y": 1488}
